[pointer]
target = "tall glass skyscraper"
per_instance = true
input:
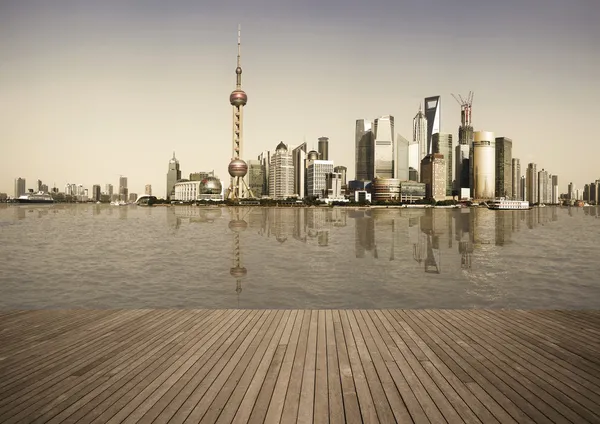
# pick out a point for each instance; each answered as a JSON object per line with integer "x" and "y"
{"x": 433, "y": 113}
{"x": 516, "y": 179}
{"x": 420, "y": 136}
{"x": 385, "y": 161}
{"x": 364, "y": 150}
{"x": 504, "y": 167}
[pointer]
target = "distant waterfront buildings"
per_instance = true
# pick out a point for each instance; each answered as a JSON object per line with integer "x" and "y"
{"x": 108, "y": 189}
{"x": 265, "y": 161}
{"x": 343, "y": 171}
{"x": 256, "y": 177}
{"x": 504, "y": 178}
{"x": 20, "y": 187}
{"x": 299, "y": 156}
{"x": 96, "y": 192}
{"x": 123, "y": 190}
{"x": 442, "y": 144}
{"x": 148, "y": 190}
{"x": 433, "y": 114}
{"x": 173, "y": 175}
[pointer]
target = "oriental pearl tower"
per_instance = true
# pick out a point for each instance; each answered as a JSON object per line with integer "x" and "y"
{"x": 237, "y": 167}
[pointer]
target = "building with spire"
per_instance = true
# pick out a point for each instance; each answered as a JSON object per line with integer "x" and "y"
{"x": 238, "y": 189}
{"x": 173, "y": 175}
{"x": 433, "y": 113}
{"x": 420, "y": 136}
{"x": 385, "y": 149}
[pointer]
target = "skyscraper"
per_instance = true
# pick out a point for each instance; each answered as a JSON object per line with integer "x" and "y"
{"x": 148, "y": 190}
{"x": 96, "y": 192}
{"x": 364, "y": 150}
{"x": 385, "y": 161}
{"x": 504, "y": 178}
{"x": 173, "y": 175}
{"x": 256, "y": 177}
{"x": 108, "y": 189}
{"x": 442, "y": 144}
{"x": 433, "y": 113}
{"x": 531, "y": 178}
{"x": 19, "y": 187}
{"x": 433, "y": 174}
{"x": 237, "y": 167}
{"x": 323, "y": 146}
{"x": 420, "y": 136}
{"x": 342, "y": 170}
{"x": 299, "y": 155}
{"x": 281, "y": 173}
{"x": 516, "y": 179}
{"x": 484, "y": 168}
{"x": 265, "y": 161}
{"x": 123, "y": 190}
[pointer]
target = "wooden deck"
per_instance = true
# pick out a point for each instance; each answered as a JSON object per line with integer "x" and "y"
{"x": 334, "y": 366}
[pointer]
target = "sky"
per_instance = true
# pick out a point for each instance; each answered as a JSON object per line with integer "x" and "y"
{"x": 91, "y": 90}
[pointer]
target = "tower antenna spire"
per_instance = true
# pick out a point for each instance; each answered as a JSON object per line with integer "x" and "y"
{"x": 238, "y": 70}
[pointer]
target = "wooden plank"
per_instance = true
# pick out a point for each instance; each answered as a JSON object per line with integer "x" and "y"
{"x": 321, "y": 394}
{"x": 334, "y": 386}
{"x": 277, "y": 399}
{"x": 307, "y": 393}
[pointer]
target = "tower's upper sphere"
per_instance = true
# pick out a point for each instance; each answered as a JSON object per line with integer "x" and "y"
{"x": 238, "y": 225}
{"x": 238, "y": 97}
{"x": 237, "y": 168}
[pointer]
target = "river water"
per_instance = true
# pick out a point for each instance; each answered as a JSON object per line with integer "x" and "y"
{"x": 102, "y": 256}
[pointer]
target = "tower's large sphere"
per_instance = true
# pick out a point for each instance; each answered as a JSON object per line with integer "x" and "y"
{"x": 238, "y": 168}
{"x": 238, "y": 272}
{"x": 238, "y": 98}
{"x": 210, "y": 185}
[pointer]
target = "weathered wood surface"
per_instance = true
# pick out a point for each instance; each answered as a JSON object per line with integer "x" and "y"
{"x": 330, "y": 366}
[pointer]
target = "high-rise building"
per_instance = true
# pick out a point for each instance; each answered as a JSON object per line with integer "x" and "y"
{"x": 323, "y": 146}
{"x": 516, "y": 179}
{"x": 19, "y": 187}
{"x": 256, "y": 177}
{"x": 531, "y": 177}
{"x": 462, "y": 161}
{"x": 201, "y": 175}
{"x": 433, "y": 113}
{"x": 96, "y": 192}
{"x": 123, "y": 190}
{"x": 299, "y": 156}
{"x": 316, "y": 177}
{"x": 39, "y": 185}
{"x": 542, "y": 186}
{"x": 132, "y": 197}
{"x": 402, "y": 161}
{"x": 442, "y": 144}
{"x": 148, "y": 190}
{"x": 504, "y": 178}
{"x": 464, "y": 148}
{"x": 265, "y": 161}
{"x": 364, "y": 150}
{"x": 385, "y": 160}
{"x": 433, "y": 175}
{"x": 173, "y": 175}
{"x": 523, "y": 188}
{"x": 420, "y": 136}
{"x": 281, "y": 173}
{"x": 555, "y": 190}
{"x": 108, "y": 189}
{"x": 483, "y": 166}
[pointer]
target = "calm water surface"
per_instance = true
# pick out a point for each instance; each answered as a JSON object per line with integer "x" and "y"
{"x": 101, "y": 256}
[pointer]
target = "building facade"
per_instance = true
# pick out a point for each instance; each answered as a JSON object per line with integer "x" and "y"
{"x": 385, "y": 189}
{"x": 316, "y": 177}
{"x": 281, "y": 173}
{"x": 333, "y": 186}
{"x": 433, "y": 114}
{"x": 516, "y": 179}
{"x": 173, "y": 175}
{"x": 210, "y": 188}
{"x": 504, "y": 178}
{"x": 323, "y": 146}
{"x": 385, "y": 149}
{"x": 364, "y": 150}
{"x": 402, "y": 161}
{"x": 442, "y": 144}
{"x": 123, "y": 190}
{"x": 483, "y": 165}
{"x": 433, "y": 175}
{"x": 20, "y": 188}
{"x": 148, "y": 190}
{"x": 96, "y": 192}
{"x": 255, "y": 177}
{"x": 299, "y": 156}
{"x": 420, "y": 136}
{"x": 532, "y": 184}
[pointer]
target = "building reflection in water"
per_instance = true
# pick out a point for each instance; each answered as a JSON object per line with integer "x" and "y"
{"x": 238, "y": 225}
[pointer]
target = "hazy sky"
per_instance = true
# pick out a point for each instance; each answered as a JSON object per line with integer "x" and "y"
{"x": 91, "y": 89}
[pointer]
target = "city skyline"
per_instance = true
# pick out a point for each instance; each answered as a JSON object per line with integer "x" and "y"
{"x": 129, "y": 85}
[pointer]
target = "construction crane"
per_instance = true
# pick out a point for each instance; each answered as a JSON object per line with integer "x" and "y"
{"x": 466, "y": 105}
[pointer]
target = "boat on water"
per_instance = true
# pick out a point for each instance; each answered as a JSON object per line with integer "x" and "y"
{"x": 118, "y": 203}
{"x": 503, "y": 204}
{"x": 39, "y": 197}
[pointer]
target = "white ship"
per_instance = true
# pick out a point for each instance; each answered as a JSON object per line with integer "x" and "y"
{"x": 504, "y": 204}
